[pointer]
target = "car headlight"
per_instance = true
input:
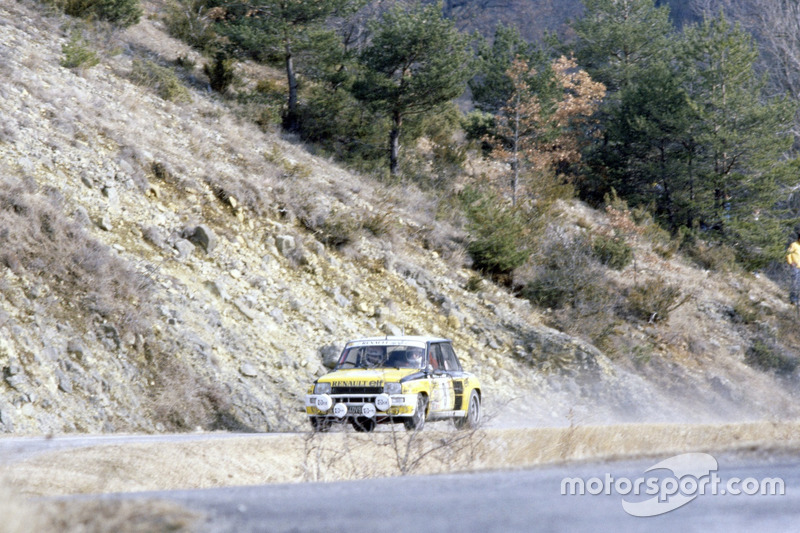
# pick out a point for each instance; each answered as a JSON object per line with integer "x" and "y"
{"x": 322, "y": 388}
{"x": 392, "y": 388}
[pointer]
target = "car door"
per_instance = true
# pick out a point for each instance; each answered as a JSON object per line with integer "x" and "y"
{"x": 442, "y": 395}
{"x": 457, "y": 376}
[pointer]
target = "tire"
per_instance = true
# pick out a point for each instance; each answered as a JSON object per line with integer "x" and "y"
{"x": 417, "y": 421}
{"x": 473, "y": 417}
{"x": 320, "y": 424}
{"x": 363, "y": 424}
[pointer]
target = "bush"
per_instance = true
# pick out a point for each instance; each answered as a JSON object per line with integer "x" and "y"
{"x": 161, "y": 79}
{"x": 766, "y": 356}
{"x": 52, "y": 251}
{"x": 565, "y": 273}
{"x": 498, "y": 233}
{"x": 613, "y": 252}
{"x": 711, "y": 256}
{"x": 653, "y": 301}
{"x": 122, "y": 13}
{"x": 220, "y": 73}
{"x": 77, "y": 54}
{"x": 339, "y": 125}
{"x": 187, "y": 21}
{"x": 478, "y": 125}
{"x": 328, "y": 226}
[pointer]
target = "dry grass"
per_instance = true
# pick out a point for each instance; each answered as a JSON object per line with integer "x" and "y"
{"x": 289, "y": 458}
{"x": 21, "y": 515}
{"x": 85, "y": 280}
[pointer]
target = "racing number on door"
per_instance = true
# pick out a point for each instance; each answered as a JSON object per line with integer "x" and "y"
{"x": 443, "y": 395}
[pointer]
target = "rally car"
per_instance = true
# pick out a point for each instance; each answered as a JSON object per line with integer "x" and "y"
{"x": 395, "y": 379}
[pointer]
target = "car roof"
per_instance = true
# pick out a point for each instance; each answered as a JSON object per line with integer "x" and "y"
{"x": 399, "y": 339}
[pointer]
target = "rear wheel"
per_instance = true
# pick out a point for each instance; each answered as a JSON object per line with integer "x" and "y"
{"x": 473, "y": 416}
{"x": 418, "y": 420}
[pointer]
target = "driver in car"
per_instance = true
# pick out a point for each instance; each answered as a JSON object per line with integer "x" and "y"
{"x": 374, "y": 356}
{"x": 415, "y": 357}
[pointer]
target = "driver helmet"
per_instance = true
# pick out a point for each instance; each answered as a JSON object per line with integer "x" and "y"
{"x": 374, "y": 356}
{"x": 415, "y": 357}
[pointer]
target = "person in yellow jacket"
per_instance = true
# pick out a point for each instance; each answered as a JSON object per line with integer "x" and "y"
{"x": 793, "y": 258}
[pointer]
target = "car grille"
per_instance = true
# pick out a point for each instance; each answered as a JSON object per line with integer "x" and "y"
{"x": 356, "y": 390}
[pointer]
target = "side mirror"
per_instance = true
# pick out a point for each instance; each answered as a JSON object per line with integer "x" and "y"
{"x": 429, "y": 368}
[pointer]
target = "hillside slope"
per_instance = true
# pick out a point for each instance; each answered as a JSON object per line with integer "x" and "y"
{"x": 156, "y": 271}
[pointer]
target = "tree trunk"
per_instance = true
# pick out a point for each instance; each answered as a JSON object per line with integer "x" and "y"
{"x": 394, "y": 143}
{"x": 290, "y": 121}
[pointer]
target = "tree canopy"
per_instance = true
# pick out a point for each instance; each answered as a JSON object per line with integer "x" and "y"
{"x": 415, "y": 61}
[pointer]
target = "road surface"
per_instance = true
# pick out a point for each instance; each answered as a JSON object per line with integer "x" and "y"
{"x": 504, "y": 501}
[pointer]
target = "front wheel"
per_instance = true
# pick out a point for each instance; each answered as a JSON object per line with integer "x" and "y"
{"x": 363, "y": 424}
{"x": 320, "y": 424}
{"x": 418, "y": 420}
{"x": 473, "y": 416}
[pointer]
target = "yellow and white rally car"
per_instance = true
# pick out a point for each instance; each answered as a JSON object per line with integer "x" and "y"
{"x": 395, "y": 379}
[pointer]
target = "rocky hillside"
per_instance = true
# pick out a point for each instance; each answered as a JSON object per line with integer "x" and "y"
{"x": 166, "y": 264}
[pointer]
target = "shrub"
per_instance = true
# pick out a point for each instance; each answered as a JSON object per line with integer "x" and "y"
{"x": 497, "y": 245}
{"x": 765, "y": 356}
{"x": 122, "y": 13}
{"x": 161, "y": 79}
{"x": 613, "y": 252}
{"x": 744, "y": 311}
{"x": 77, "y": 53}
{"x": 328, "y": 226}
{"x": 51, "y": 250}
{"x": 711, "y": 256}
{"x": 338, "y": 124}
{"x": 187, "y": 20}
{"x": 478, "y": 125}
{"x": 565, "y": 273}
{"x": 653, "y": 301}
{"x": 379, "y": 223}
{"x": 220, "y": 72}
{"x": 182, "y": 400}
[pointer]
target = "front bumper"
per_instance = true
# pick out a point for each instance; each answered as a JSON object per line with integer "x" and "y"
{"x": 368, "y": 405}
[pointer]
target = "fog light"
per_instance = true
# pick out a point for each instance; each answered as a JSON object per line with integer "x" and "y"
{"x": 323, "y": 402}
{"x": 382, "y": 402}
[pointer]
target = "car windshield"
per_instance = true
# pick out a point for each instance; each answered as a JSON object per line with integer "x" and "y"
{"x": 398, "y": 356}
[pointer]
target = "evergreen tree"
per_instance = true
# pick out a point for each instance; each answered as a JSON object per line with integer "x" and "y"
{"x": 617, "y": 41}
{"x": 742, "y": 137}
{"x": 415, "y": 61}
{"x": 626, "y": 45}
{"x": 272, "y": 30}
{"x": 647, "y": 156}
{"x": 492, "y": 87}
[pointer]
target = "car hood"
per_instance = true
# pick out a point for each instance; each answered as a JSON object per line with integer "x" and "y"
{"x": 362, "y": 377}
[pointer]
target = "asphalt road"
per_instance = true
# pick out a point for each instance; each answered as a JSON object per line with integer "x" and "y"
{"x": 527, "y": 500}
{"x": 19, "y": 448}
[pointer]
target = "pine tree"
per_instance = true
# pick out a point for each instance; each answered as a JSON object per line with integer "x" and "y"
{"x": 491, "y": 87}
{"x": 741, "y": 134}
{"x": 616, "y": 41}
{"x": 270, "y": 30}
{"x": 416, "y": 60}
{"x": 742, "y": 137}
